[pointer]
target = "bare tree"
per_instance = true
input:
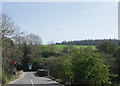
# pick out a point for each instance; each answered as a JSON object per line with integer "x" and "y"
{"x": 33, "y": 39}
{"x": 20, "y": 40}
{"x": 7, "y": 26}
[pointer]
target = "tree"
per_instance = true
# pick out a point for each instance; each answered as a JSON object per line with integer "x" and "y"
{"x": 107, "y": 47}
{"x": 8, "y": 31}
{"x": 85, "y": 67}
{"x": 88, "y": 68}
{"x": 26, "y": 56}
{"x": 20, "y": 40}
{"x": 111, "y": 52}
{"x": 33, "y": 39}
{"x": 34, "y": 42}
{"x": 8, "y": 27}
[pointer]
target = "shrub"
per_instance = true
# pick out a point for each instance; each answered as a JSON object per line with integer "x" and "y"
{"x": 46, "y": 53}
{"x": 54, "y": 66}
{"x": 38, "y": 63}
{"x": 65, "y": 72}
{"x": 68, "y": 49}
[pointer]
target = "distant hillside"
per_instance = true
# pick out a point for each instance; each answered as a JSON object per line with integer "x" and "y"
{"x": 88, "y": 42}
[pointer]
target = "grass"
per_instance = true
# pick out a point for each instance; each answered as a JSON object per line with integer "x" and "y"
{"x": 72, "y": 45}
{"x": 8, "y": 78}
{"x": 0, "y": 74}
{"x": 14, "y": 77}
{"x": 0, "y": 77}
{"x": 60, "y": 47}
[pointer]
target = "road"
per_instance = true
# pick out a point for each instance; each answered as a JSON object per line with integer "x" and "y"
{"x": 32, "y": 79}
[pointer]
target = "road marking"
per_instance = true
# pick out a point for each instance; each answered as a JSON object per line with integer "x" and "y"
{"x": 32, "y": 83}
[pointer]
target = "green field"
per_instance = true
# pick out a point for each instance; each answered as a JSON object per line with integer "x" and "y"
{"x": 75, "y": 46}
{"x": 60, "y": 47}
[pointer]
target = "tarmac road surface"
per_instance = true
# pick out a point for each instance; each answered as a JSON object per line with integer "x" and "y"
{"x": 32, "y": 79}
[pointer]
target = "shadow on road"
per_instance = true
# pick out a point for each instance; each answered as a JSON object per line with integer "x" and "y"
{"x": 49, "y": 80}
{"x": 36, "y": 74}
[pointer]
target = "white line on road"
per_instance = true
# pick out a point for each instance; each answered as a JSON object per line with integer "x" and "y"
{"x": 32, "y": 83}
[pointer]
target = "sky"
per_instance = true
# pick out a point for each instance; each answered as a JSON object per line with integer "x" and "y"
{"x": 60, "y": 21}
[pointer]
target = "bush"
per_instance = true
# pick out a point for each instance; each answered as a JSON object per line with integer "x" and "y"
{"x": 47, "y": 53}
{"x": 68, "y": 49}
{"x": 65, "y": 72}
{"x": 38, "y": 63}
{"x": 54, "y": 66}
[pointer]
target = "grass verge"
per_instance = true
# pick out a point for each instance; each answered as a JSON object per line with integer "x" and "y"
{"x": 6, "y": 79}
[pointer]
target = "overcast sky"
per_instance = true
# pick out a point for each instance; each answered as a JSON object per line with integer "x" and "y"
{"x": 59, "y": 21}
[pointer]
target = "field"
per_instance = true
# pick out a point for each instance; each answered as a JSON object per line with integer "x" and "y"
{"x": 76, "y": 46}
{"x": 60, "y": 47}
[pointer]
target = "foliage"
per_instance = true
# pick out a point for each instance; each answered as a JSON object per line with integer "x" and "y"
{"x": 89, "y": 68}
{"x": 65, "y": 72}
{"x": 47, "y": 52}
{"x": 7, "y": 78}
{"x": 68, "y": 49}
{"x": 16, "y": 46}
{"x": 38, "y": 63}
{"x": 83, "y": 64}
{"x": 117, "y": 53}
{"x": 26, "y": 58}
{"x": 54, "y": 66}
{"x": 116, "y": 69}
{"x": 85, "y": 67}
{"x": 107, "y": 47}
{"x": 4, "y": 78}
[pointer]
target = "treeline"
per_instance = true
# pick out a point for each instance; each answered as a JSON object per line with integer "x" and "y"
{"x": 88, "y": 42}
